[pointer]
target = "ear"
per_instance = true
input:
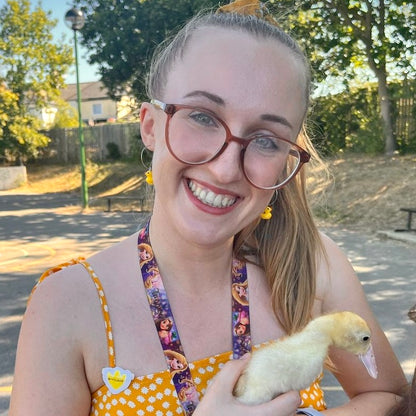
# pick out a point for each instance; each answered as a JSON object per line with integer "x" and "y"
{"x": 147, "y": 125}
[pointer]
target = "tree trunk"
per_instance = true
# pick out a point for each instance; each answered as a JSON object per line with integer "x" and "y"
{"x": 386, "y": 114}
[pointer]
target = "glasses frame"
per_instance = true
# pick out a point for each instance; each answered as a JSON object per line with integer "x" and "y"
{"x": 171, "y": 109}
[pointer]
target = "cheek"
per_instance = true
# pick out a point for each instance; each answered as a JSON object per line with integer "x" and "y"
{"x": 263, "y": 198}
{"x": 161, "y": 157}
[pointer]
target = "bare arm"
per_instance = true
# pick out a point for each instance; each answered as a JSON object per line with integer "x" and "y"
{"x": 344, "y": 292}
{"x": 49, "y": 375}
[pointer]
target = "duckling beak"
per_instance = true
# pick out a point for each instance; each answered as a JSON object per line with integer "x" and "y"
{"x": 369, "y": 361}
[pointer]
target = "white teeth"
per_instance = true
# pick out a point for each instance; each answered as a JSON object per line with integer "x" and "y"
{"x": 210, "y": 198}
{"x": 226, "y": 202}
{"x": 218, "y": 200}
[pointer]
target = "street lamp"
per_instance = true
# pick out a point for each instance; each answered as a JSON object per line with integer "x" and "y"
{"x": 75, "y": 20}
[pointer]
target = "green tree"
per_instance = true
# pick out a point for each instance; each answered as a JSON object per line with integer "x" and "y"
{"x": 123, "y": 34}
{"x": 32, "y": 67}
{"x": 343, "y": 35}
{"x": 66, "y": 116}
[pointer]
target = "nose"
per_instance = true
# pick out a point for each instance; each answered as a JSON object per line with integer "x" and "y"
{"x": 227, "y": 166}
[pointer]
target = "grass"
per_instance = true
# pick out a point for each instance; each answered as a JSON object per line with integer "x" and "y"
{"x": 366, "y": 192}
{"x": 103, "y": 179}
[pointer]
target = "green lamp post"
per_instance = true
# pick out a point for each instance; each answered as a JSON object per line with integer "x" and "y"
{"x": 75, "y": 20}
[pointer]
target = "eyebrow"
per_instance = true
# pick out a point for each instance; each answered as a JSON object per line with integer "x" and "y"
{"x": 212, "y": 97}
{"x": 276, "y": 119}
{"x": 218, "y": 100}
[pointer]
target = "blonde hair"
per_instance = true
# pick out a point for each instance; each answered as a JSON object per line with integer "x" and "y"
{"x": 286, "y": 246}
{"x": 169, "y": 51}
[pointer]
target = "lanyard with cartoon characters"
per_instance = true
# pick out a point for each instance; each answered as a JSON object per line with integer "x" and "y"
{"x": 166, "y": 328}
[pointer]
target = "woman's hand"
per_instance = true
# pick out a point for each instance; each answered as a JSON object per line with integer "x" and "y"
{"x": 219, "y": 399}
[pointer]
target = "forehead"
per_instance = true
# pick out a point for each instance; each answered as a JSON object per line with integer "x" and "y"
{"x": 243, "y": 69}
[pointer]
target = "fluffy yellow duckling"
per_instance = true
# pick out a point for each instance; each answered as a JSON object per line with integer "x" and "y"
{"x": 294, "y": 362}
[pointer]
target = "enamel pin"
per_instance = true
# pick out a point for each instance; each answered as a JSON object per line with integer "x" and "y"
{"x": 117, "y": 379}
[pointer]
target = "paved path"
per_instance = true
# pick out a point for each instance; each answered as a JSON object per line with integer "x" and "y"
{"x": 37, "y": 231}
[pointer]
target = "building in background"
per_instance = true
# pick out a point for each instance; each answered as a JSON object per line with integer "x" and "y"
{"x": 97, "y": 106}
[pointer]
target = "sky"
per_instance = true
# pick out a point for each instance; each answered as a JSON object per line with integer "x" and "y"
{"x": 59, "y": 8}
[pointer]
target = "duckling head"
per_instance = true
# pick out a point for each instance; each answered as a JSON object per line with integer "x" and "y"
{"x": 352, "y": 334}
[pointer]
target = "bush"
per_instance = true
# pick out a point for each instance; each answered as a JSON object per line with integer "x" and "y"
{"x": 113, "y": 151}
{"x": 350, "y": 121}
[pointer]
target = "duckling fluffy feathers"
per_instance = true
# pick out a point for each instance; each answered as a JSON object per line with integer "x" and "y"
{"x": 294, "y": 362}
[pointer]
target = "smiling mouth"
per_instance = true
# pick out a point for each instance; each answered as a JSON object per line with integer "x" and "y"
{"x": 211, "y": 198}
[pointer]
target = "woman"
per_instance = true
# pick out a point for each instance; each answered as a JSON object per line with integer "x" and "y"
{"x": 225, "y": 78}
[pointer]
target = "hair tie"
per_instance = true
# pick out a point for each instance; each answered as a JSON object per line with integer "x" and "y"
{"x": 248, "y": 7}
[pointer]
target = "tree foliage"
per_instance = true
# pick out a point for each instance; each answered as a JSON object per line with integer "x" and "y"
{"x": 339, "y": 36}
{"x": 123, "y": 34}
{"x": 66, "y": 116}
{"x": 32, "y": 67}
{"x": 343, "y": 35}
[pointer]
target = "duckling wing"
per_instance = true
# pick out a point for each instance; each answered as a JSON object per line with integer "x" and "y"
{"x": 277, "y": 368}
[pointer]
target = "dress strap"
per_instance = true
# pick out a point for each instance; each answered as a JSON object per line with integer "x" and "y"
{"x": 104, "y": 310}
{"x": 101, "y": 295}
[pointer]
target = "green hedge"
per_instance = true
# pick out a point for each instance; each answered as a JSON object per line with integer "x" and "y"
{"x": 350, "y": 121}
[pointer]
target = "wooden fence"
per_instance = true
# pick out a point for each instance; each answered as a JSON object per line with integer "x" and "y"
{"x": 99, "y": 140}
{"x": 64, "y": 144}
{"x": 405, "y": 117}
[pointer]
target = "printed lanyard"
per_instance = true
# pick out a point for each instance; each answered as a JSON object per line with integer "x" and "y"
{"x": 166, "y": 327}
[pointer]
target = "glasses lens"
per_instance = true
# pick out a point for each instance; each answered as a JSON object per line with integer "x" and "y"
{"x": 195, "y": 135}
{"x": 270, "y": 162}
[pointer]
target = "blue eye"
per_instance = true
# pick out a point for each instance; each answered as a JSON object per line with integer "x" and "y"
{"x": 266, "y": 144}
{"x": 203, "y": 119}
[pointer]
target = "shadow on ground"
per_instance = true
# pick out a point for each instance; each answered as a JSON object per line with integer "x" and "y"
{"x": 39, "y": 231}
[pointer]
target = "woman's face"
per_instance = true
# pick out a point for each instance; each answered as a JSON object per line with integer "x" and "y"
{"x": 255, "y": 86}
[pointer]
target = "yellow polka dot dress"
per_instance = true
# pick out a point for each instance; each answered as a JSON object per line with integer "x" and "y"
{"x": 155, "y": 394}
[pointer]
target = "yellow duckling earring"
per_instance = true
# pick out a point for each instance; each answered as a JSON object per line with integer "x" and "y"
{"x": 148, "y": 173}
{"x": 267, "y": 213}
{"x": 149, "y": 177}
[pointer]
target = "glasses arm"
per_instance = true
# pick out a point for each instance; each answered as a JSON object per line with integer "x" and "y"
{"x": 158, "y": 104}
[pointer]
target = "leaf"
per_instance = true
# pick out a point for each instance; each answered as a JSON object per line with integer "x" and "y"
{"x": 32, "y": 72}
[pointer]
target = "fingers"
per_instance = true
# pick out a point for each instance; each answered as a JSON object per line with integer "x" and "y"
{"x": 226, "y": 379}
{"x": 284, "y": 405}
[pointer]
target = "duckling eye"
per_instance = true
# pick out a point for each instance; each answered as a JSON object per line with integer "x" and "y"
{"x": 366, "y": 338}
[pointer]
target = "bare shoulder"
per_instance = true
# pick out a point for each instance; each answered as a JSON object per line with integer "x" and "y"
{"x": 331, "y": 249}
{"x": 71, "y": 283}
{"x": 60, "y": 291}
{"x": 63, "y": 338}
{"x": 67, "y": 303}
{"x": 334, "y": 270}
{"x": 338, "y": 284}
